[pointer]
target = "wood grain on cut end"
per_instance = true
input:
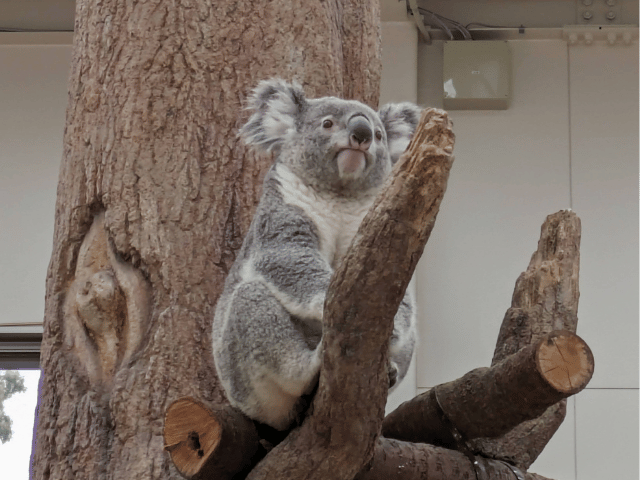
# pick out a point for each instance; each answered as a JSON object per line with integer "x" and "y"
{"x": 566, "y": 362}
{"x": 191, "y": 435}
{"x": 210, "y": 441}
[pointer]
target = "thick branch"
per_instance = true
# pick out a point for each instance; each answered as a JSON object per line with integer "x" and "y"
{"x": 546, "y": 295}
{"x": 362, "y": 300}
{"x": 207, "y": 442}
{"x": 488, "y": 402}
{"x": 545, "y": 299}
{"x": 397, "y": 460}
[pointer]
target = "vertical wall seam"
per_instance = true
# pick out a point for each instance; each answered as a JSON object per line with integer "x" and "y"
{"x": 575, "y": 437}
{"x": 575, "y": 400}
{"x": 570, "y": 126}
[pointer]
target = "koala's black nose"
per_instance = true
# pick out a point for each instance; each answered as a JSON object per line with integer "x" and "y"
{"x": 359, "y": 132}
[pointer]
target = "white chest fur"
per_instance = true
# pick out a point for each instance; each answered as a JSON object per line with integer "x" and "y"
{"x": 337, "y": 219}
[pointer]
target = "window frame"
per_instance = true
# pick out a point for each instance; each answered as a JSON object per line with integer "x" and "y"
{"x": 20, "y": 346}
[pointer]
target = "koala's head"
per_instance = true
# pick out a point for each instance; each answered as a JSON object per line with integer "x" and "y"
{"x": 342, "y": 146}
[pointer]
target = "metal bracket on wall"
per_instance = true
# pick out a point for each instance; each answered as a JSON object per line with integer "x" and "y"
{"x": 417, "y": 17}
{"x": 588, "y": 34}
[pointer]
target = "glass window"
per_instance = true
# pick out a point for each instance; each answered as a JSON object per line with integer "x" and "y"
{"x": 19, "y": 354}
{"x": 20, "y": 408}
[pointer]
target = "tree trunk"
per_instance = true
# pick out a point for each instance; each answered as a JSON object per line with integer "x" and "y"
{"x": 155, "y": 195}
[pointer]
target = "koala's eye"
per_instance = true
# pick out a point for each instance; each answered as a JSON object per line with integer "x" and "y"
{"x": 327, "y": 123}
{"x": 378, "y": 135}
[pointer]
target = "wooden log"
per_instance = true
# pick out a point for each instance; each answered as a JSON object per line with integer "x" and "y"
{"x": 206, "y": 443}
{"x": 488, "y": 402}
{"x": 397, "y": 460}
{"x": 545, "y": 299}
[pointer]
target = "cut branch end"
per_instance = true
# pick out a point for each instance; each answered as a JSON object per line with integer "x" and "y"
{"x": 208, "y": 442}
{"x": 566, "y": 362}
{"x": 191, "y": 433}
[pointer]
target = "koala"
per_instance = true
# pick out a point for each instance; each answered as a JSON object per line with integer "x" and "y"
{"x": 331, "y": 159}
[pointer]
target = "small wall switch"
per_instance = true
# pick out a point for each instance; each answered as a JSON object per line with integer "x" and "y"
{"x": 477, "y": 75}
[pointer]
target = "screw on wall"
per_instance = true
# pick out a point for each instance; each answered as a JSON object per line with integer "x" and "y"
{"x": 614, "y": 35}
{"x": 598, "y": 12}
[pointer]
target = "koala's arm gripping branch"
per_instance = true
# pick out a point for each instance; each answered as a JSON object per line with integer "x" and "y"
{"x": 340, "y": 435}
{"x": 284, "y": 270}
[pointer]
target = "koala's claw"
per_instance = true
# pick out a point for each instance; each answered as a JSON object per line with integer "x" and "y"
{"x": 392, "y": 371}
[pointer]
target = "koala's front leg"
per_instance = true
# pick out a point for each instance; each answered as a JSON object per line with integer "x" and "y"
{"x": 298, "y": 277}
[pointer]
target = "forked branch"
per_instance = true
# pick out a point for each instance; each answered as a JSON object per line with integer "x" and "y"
{"x": 340, "y": 437}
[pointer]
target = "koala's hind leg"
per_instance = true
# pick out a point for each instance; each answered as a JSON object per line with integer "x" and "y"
{"x": 275, "y": 353}
{"x": 402, "y": 342}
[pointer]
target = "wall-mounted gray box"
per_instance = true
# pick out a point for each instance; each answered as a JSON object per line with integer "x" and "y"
{"x": 477, "y": 75}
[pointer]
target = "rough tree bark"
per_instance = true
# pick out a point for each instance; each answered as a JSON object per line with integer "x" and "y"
{"x": 154, "y": 197}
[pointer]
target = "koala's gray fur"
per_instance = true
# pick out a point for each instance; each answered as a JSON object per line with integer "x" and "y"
{"x": 332, "y": 157}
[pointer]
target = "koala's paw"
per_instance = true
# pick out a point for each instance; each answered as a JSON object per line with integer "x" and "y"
{"x": 392, "y": 371}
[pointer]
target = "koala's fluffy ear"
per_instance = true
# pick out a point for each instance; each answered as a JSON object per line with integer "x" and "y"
{"x": 276, "y": 105}
{"x": 400, "y": 121}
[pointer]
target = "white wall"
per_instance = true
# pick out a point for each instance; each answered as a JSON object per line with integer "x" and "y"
{"x": 604, "y": 144}
{"x": 399, "y": 83}
{"x": 569, "y": 139}
{"x": 33, "y": 97}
